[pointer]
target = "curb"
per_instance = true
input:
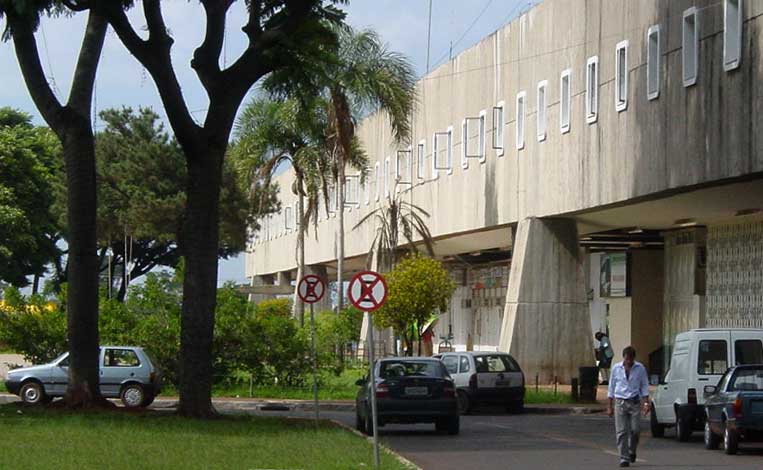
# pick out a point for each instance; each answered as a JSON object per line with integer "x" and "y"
{"x": 370, "y": 439}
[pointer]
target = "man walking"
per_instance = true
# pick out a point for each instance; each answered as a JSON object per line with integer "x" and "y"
{"x": 628, "y": 388}
{"x": 604, "y": 355}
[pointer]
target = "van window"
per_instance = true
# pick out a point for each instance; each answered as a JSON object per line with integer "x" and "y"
{"x": 713, "y": 357}
{"x": 748, "y": 351}
{"x": 464, "y": 365}
{"x": 451, "y": 364}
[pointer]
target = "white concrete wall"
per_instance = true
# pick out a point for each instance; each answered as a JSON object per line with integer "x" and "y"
{"x": 702, "y": 134}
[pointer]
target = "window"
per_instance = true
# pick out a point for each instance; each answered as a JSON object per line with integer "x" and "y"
{"x": 473, "y": 141}
{"x": 653, "y": 62}
{"x": 377, "y": 188}
{"x": 690, "y": 44}
{"x": 621, "y": 76}
{"x": 592, "y": 90}
{"x": 386, "y": 177}
{"x": 565, "y": 96}
{"x": 520, "y": 129}
{"x": 405, "y": 368}
{"x": 748, "y": 351}
{"x": 288, "y": 214}
{"x": 120, "y": 358}
{"x": 498, "y": 128}
{"x": 367, "y": 190}
{"x": 732, "y": 34}
{"x": 442, "y": 152}
{"x": 541, "y": 114}
{"x": 463, "y": 364}
{"x": 451, "y": 364}
{"x": 713, "y": 357}
{"x": 746, "y": 380}
{"x": 420, "y": 157}
{"x": 495, "y": 363}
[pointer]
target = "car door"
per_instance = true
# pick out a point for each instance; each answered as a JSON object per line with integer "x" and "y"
{"x": 497, "y": 371}
{"x": 713, "y": 354}
{"x": 675, "y": 384}
{"x": 748, "y": 348}
{"x": 59, "y": 376}
{"x": 716, "y": 402}
{"x": 464, "y": 371}
{"x": 117, "y": 366}
{"x": 450, "y": 361}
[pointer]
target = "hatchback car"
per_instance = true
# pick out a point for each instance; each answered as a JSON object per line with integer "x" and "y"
{"x": 126, "y": 372}
{"x": 482, "y": 377}
{"x": 409, "y": 390}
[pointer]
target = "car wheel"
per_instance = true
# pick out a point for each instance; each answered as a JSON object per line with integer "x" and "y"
{"x": 683, "y": 428}
{"x": 658, "y": 430}
{"x": 369, "y": 424}
{"x": 132, "y": 395}
{"x": 712, "y": 441}
{"x": 464, "y": 404}
{"x": 516, "y": 408}
{"x": 148, "y": 400}
{"x": 730, "y": 441}
{"x": 454, "y": 425}
{"x": 32, "y": 393}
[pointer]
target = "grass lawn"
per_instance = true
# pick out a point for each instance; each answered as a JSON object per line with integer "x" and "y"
{"x": 52, "y": 438}
{"x": 330, "y": 387}
{"x": 545, "y": 397}
{"x": 2, "y": 387}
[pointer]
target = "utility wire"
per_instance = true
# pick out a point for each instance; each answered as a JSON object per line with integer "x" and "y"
{"x": 474, "y": 22}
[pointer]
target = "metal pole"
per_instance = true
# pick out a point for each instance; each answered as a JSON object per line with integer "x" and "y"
{"x": 315, "y": 365}
{"x": 373, "y": 389}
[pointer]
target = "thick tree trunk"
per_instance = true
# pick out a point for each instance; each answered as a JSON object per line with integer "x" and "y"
{"x": 200, "y": 244}
{"x": 82, "y": 295}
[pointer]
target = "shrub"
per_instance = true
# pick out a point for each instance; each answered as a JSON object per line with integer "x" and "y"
{"x": 32, "y": 327}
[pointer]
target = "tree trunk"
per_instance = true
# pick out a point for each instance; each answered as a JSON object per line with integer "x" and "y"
{"x": 200, "y": 245}
{"x": 36, "y": 284}
{"x": 82, "y": 264}
{"x": 340, "y": 240}
{"x": 300, "y": 252}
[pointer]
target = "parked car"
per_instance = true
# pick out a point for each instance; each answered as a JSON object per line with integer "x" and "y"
{"x": 409, "y": 390}
{"x": 126, "y": 373}
{"x": 700, "y": 357}
{"x": 486, "y": 378}
{"x": 734, "y": 408}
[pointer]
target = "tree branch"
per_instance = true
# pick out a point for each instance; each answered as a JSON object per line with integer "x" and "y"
{"x": 81, "y": 95}
{"x": 206, "y": 58}
{"x": 31, "y": 68}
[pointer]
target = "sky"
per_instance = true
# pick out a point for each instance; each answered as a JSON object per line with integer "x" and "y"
{"x": 121, "y": 81}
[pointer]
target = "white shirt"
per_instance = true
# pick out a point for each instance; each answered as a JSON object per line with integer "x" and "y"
{"x": 622, "y": 386}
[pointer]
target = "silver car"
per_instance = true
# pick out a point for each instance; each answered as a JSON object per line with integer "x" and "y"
{"x": 126, "y": 373}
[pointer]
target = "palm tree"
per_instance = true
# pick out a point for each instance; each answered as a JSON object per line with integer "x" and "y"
{"x": 367, "y": 77}
{"x": 270, "y": 131}
{"x": 398, "y": 218}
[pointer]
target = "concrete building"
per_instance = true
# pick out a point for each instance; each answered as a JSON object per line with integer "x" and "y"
{"x": 592, "y": 165}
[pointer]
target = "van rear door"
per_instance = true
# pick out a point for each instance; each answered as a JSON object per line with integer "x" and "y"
{"x": 496, "y": 371}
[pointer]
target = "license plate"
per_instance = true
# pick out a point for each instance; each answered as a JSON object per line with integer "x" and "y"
{"x": 416, "y": 391}
{"x": 503, "y": 383}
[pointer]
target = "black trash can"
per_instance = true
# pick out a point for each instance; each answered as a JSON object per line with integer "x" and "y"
{"x": 589, "y": 379}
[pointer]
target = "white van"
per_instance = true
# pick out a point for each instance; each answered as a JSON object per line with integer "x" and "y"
{"x": 700, "y": 357}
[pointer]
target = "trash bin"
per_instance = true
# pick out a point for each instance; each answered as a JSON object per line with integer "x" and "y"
{"x": 589, "y": 379}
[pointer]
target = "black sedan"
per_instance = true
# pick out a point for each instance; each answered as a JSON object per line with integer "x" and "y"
{"x": 735, "y": 408}
{"x": 409, "y": 390}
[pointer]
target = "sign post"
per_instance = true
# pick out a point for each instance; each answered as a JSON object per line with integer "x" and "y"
{"x": 368, "y": 292}
{"x": 310, "y": 290}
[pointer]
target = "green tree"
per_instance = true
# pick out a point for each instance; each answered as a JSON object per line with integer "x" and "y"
{"x": 281, "y": 34}
{"x": 29, "y": 168}
{"x": 419, "y": 288}
{"x": 71, "y": 123}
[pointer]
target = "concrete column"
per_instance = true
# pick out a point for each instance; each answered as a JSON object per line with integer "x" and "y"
{"x": 546, "y": 324}
{"x": 263, "y": 280}
{"x": 283, "y": 278}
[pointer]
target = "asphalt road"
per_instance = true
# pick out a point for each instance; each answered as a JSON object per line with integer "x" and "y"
{"x": 545, "y": 442}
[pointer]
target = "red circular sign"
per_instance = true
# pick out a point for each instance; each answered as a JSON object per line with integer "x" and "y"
{"x": 311, "y": 289}
{"x": 367, "y": 291}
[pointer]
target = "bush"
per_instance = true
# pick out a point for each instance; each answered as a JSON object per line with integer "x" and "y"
{"x": 32, "y": 327}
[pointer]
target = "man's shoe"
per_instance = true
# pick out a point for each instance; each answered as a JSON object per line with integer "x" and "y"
{"x": 625, "y": 464}
{"x": 633, "y": 458}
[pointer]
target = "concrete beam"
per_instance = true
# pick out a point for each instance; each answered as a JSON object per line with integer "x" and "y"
{"x": 546, "y": 324}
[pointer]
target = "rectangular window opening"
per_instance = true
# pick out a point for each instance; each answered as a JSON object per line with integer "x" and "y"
{"x": 387, "y": 175}
{"x": 541, "y": 114}
{"x": 565, "y": 96}
{"x": 442, "y": 152}
{"x": 498, "y": 124}
{"x": 520, "y": 129}
{"x": 732, "y": 34}
{"x": 712, "y": 357}
{"x": 621, "y": 76}
{"x": 420, "y": 158}
{"x": 592, "y": 90}
{"x": 653, "y": 62}
{"x": 690, "y": 44}
{"x": 377, "y": 186}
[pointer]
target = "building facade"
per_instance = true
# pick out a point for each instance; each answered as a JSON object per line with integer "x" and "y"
{"x": 592, "y": 165}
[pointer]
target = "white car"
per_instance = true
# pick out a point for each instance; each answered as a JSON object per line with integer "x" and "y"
{"x": 700, "y": 357}
{"x": 486, "y": 377}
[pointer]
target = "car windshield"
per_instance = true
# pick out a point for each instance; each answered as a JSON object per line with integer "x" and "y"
{"x": 394, "y": 369}
{"x": 55, "y": 361}
{"x": 747, "y": 379}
